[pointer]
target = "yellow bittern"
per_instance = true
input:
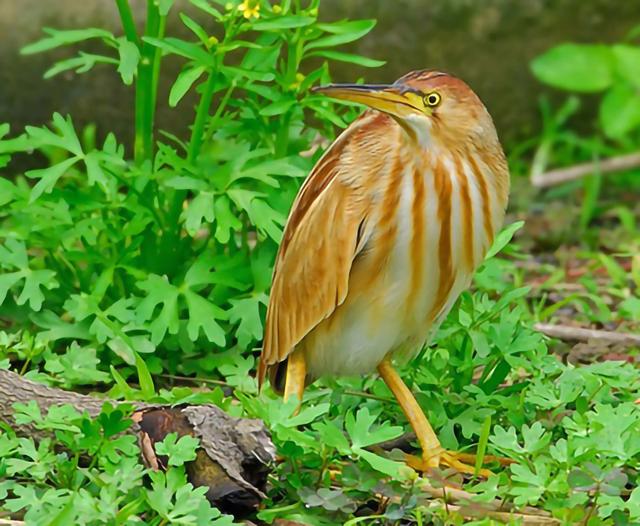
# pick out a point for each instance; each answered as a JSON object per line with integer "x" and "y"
{"x": 383, "y": 236}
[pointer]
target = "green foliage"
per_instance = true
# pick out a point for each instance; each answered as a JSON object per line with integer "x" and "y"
{"x": 139, "y": 270}
{"x": 54, "y": 488}
{"x": 609, "y": 72}
{"x": 166, "y": 257}
{"x": 586, "y": 68}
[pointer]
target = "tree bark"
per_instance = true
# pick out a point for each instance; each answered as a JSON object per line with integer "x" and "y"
{"x": 234, "y": 453}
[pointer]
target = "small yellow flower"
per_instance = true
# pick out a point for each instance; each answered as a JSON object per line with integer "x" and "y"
{"x": 212, "y": 41}
{"x": 277, "y": 9}
{"x": 250, "y": 8}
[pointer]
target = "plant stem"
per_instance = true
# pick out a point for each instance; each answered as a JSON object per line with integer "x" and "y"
{"x": 147, "y": 85}
{"x": 128, "y": 24}
{"x": 202, "y": 114}
{"x": 155, "y": 76}
{"x": 221, "y": 107}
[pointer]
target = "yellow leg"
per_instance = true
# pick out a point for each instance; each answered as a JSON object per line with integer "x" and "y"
{"x": 296, "y": 373}
{"x": 432, "y": 453}
{"x": 431, "y": 448}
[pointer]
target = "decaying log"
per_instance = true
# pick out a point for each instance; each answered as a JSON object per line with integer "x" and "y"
{"x": 234, "y": 453}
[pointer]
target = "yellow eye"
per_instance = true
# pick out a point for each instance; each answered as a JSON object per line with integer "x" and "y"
{"x": 432, "y": 99}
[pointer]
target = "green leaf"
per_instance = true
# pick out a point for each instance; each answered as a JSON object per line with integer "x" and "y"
{"x": 535, "y": 437}
{"x": 179, "y": 451}
{"x": 482, "y": 444}
{"x": 580, "y": 480}
{"x": 283, "y": 22}
{"x": 278, "y": 108}
{"x": 202, "y": 316}
{"x": 506, "y": 440}
{"x": 347, "y": 26}
{"x": 183, "y": 49}
{"x": 628, "y": 63}
{"x": 246, "y": 312}
{"x": 332, "y": 436}
{"x": 62, "y": 38}
{"x": 235, "y": 73}
{"x": 7, "y": 281}
{"x": 207, "y": 8}
{"x": 77, "y": 366}
{"x": 196, "y": 28}
{"x": 164, "y": 6}
{"x": 349, "y": 32}
{"x": 144, "y": 378}
{"x": 503, "y": 238}
{"x": 34, "y": 281}
{"x": 159, "y": 292}
{"x": 576, "y": 67}
{"x": 199, "y": 209}
{"x": 225, "y": 220}
{"x": 66, "y": 138}
{"x": 260, "y": 213}
{"x": 620, "y": 110}
{"x": 184, "y": 182}
{"x": 129, "y": 58}
{"x": 348, "y": 57}
{"x": 363, "y": 433}
{"x": 48, "y": 177}
{"x": 81, "y": 64}
{"x": 392, "y": 468}
{"x": 113, "y": 420}
{"x": 183, "y": 83}
{"x": 124, "y": 387}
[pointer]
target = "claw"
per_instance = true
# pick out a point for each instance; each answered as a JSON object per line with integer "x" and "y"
{"x": 449, "y": 459}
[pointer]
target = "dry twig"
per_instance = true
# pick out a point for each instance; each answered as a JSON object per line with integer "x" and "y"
{"x": 567, "y": 332}
{"x": 602, "y": 167}
{"x": 508, "y": 517}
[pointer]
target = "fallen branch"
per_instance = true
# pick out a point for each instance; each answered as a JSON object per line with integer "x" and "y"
{"x": 232, "y": 458}
{"x": 525, "y": 519}
{"x": 462, "y": 502}
{"x": 602, "y": 167}
{"x": 464, "y": 498}
{"x": 567, "y": 332}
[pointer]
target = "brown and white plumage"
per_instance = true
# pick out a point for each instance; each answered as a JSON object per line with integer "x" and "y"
{"x": 387, "y": 230}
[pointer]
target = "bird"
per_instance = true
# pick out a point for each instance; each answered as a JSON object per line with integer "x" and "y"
{"x": 382, "y": 237}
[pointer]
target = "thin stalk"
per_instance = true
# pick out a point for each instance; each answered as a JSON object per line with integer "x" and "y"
{"x": 146, "y": 85}
{"x": 128, "y": 25}
{"x": 216, "y": 116}
{"x": 202, "y": 113}
{"x": 157, "y": 59}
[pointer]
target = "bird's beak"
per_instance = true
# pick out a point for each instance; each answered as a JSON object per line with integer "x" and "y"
{"x": 389, "y": 98}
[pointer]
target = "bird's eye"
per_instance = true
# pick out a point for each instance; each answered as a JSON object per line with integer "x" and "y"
{"x": 432, "y": 100}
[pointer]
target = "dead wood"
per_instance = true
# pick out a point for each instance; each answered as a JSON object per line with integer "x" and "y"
{"x": 605, "y": 166}
{"x": 234, "y": 453}
{"x": 567, "y": 332}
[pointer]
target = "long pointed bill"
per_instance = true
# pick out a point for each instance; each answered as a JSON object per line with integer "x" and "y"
{"x": 383, "y": 97}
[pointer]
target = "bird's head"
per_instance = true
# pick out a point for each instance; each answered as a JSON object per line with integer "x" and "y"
{"x": 429, "y": 105}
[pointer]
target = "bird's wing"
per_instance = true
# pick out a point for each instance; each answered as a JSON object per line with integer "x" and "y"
{"x": 326, "y": 229}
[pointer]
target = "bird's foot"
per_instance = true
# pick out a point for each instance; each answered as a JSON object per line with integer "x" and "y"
{"x": 460, "y": 462}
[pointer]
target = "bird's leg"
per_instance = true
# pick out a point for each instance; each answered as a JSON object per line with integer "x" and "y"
{"x": 431, "y": 448}
{"x": 295, "y": 379}
{"x": 432, "y": 452}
